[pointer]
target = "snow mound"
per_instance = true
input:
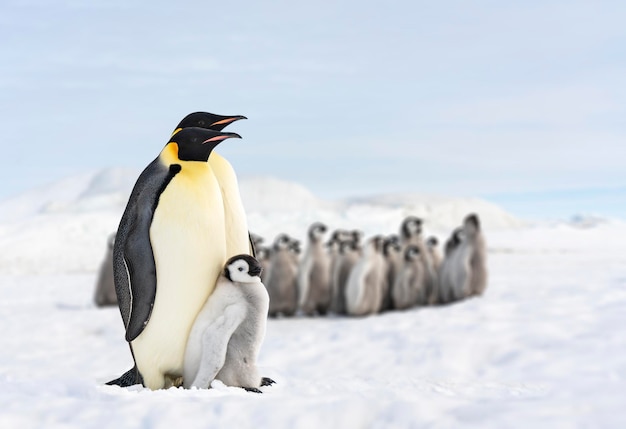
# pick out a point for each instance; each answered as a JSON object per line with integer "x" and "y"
{"x": 267, "y": 194}
{"x": 64, "y": 227}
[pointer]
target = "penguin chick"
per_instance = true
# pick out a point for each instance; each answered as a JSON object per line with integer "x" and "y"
{"x": 364, "y": 289}
{"x": 447, "y": 271}
{"x": 471, "y": 264}
{"x": 105, "y": 287}
{"x": 227, "y": 334}
{"x": 263, "y": 255}
{"x": 411, "y": 230}
{"x": 411, "y": 234}
{"x": 431, "y": 246}
{"x": 349, "y": 254}
{"x": 408, "y": 289}
{"x": 281, "y": 278}
{"x": 392, "y": 251}
{"x": 314, "y": 274}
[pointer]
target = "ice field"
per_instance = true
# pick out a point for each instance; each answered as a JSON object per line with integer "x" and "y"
{"x": 544, "y": 347}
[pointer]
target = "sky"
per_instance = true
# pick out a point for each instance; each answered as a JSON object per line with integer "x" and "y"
{"x": 520, "y": 102}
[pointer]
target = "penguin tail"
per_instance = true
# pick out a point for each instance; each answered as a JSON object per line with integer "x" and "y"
{"x": 129, "y": 378}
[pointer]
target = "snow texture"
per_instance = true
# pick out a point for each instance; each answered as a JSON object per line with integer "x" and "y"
{"x": 543, "y": 348}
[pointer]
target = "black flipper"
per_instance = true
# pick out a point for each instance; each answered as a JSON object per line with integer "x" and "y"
{"x": 252, "y": 248}
{"x": 133, "y": 261}
{"x": 129, "y": 378}
{"x": 266, "y": 381}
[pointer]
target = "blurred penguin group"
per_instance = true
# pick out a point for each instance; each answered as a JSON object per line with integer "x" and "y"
{"x": 343, "y": 274}
{"x": 340, "y": 273}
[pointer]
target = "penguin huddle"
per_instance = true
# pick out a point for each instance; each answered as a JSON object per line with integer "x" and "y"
{"x": 183, "y": 235}
{"x": 346, "y": 276}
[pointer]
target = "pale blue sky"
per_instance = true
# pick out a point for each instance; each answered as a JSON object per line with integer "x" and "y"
{"x": 483, "y": 98}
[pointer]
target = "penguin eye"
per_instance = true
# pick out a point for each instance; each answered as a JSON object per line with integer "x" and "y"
{"x": 240, "y": 268}
{"x": 201, "y": 122}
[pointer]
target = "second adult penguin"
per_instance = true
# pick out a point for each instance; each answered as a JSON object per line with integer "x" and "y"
{"x": 238, "y": 240}
{"x": 314, "y": 274}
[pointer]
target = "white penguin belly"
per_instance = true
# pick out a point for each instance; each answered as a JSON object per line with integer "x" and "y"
{"x": 187, "y": 237}
{"x": 236, "y": 224}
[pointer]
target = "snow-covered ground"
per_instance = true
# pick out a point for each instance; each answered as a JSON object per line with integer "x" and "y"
{"x": 545, "y": 346}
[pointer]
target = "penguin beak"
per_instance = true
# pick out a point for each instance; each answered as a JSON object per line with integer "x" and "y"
{"x": 255, "y": 271}
{"x": 221, "y": 137}
{"x": 228, "y": 120}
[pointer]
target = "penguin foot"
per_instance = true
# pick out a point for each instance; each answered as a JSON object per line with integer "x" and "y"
{"x": 252, "y": 389}
{"x": 266, "y": 381}
{"x": 129, "y": 378}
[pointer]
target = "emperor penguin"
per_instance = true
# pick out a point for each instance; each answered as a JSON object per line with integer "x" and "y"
{"x": 263, "y": 255}
{"x": 238, "y": 239}
{"x": 447, "y": 270}
{"x": 314, "y": 294}
{"x": 409, "y": 287}
{"x": 105, "y": 286}
{"x": 435, "y": 255}
{"x": 226, "y": 337}
{"x": 392, "y": 251}
{"x": 470, "y": 270}
{"x": 169, "y": 251}
{"x": 349, "y": 254}
{"x": 281, "y": 278}
{"x": 411, "y": 234}
{"x": 364, "y": 290}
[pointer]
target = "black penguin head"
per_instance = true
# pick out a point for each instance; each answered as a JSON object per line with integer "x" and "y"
{"x": 243, "y": 269}
{"x": 377, "y": 242}
{"x": 317, "y": 231}
{"x": 208, "y": 120}
{"x": 391, "y": 244}
{"x": 263, "y": 253}
{"x": 411, "y": 226}
{"x": 411, "y": 253}
{"x": 356, "y": 236}
{"x": 196, "y": 144}
{"x": 294, "y": 246}
{"x": 471, "y": 224}
{"x": 282, "y": 242}
{"x": 432, "y": 242}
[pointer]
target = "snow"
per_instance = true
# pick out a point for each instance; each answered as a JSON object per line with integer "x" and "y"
{"x": 543, "y": 348}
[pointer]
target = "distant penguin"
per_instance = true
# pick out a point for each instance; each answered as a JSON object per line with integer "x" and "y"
{"x": 281, "y": 278}
{"x": 296, "y": 250}
{"x": 409, "y": 286}
{"x": 392, "y": 251}
{"x": 256, "y": 240}
{"x": 364, "y": 290}
{"x": 314, "y": 294}
{"x": 105, "y": 287}
{"x": 263, "y": 255}
{"x": 349, "y": 254}
{"x": 447, "y": 271}
{"x": 169, "y": 251}
{"x": 227, "y": 334}
{"x": 238, "y": 240}
{"x": 471, "y": 268}
{"x": 411, "y": 234}
{"x": 435, "y": 255}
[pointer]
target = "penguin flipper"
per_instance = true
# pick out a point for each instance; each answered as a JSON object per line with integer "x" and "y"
{"x": 129, "y": 378}
{"x": 252, "y": 248}
{"x": 133, "y": 260}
